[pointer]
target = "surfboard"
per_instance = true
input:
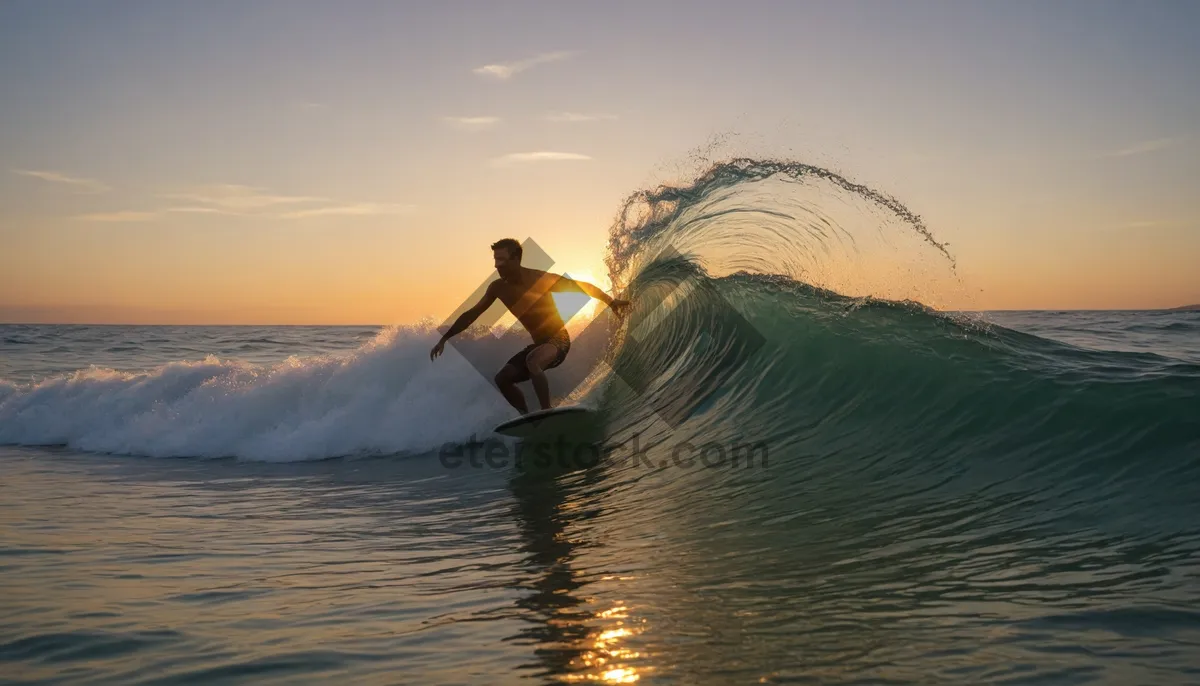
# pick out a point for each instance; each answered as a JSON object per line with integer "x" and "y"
{"x": 558, "y": 420}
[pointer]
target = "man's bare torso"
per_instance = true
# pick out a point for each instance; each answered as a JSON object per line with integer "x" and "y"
{"x": 532, "y": 302}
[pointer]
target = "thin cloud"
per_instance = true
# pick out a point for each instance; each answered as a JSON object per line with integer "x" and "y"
{"x": 200, "y": 210}
{"x": 541, "y": 156}
{"x": 82, "y": 184}
{"x": 234, "y": 198}
{"x": 507, "y": 70}
{"x": 472, "y": 123}
{"x": 362, "y": 209}
{"x": 122, "y": 216}
{"x": 577, "y": 117}
{"x": 251, "y": 201}
{"x": 1143, "y": 147}
{"x": 1152, "y": 224}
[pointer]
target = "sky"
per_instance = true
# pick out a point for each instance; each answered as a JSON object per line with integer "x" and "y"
{"x": 349, "y": 163}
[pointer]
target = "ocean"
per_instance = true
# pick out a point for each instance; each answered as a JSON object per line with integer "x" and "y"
{"x": 797, "y": 474}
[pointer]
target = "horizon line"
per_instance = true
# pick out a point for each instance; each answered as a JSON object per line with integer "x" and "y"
{"x": 1181, "y": 308}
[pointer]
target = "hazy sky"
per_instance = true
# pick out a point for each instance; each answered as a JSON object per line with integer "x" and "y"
{"x": 350, "y": 162}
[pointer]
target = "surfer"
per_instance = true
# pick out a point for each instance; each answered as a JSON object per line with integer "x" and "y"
{"x": 526, "y": 293}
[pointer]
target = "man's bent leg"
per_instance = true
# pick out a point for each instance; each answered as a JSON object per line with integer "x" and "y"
{"x": 506, "y": 380}
{"x": 537, "y": 361}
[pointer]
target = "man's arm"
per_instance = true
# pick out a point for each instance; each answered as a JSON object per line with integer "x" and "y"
{"x": 567, "y": 284}
{"x": 466, "y": 319}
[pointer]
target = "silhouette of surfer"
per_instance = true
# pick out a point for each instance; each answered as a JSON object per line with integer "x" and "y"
{"x": 526, "y": 293}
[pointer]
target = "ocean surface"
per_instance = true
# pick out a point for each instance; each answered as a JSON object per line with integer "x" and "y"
{"x": 801, "y": 470}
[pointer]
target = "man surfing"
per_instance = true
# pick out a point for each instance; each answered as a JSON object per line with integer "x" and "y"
{"x": 527, "y": 294}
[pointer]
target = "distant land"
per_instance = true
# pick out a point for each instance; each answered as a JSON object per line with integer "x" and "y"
{"x": 1186, "y": 308}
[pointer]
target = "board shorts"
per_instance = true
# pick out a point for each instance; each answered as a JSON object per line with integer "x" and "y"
{"x": 559, "y": 340}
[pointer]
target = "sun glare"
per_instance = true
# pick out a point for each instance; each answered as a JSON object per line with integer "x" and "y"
{"x": 569, "y": 304}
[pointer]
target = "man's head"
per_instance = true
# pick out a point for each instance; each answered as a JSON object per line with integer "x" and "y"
{"x": 507, "y": 252}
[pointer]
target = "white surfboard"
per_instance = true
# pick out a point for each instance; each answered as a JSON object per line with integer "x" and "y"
{"x": 558, "y": 420}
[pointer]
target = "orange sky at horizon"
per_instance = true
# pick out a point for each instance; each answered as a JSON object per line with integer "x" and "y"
{"x": 249, "y": 164}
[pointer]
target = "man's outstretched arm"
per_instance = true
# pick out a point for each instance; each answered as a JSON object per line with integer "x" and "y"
{"x": 465, "y": 319}
{"x": 567, "y": 284}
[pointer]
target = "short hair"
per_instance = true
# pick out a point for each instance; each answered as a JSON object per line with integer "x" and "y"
{"x": 509, "y": 244}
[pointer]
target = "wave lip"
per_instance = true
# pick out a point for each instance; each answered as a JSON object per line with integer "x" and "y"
{"x": 816, "y": 327}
